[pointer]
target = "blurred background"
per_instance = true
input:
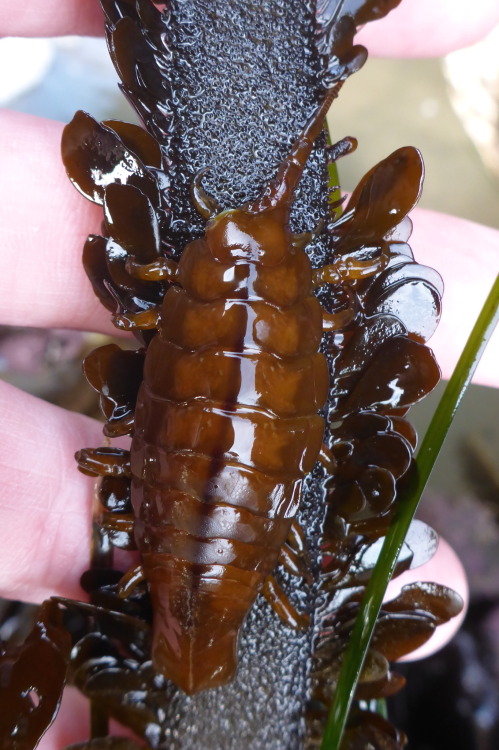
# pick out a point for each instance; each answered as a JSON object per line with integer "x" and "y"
{"x": 449, "y": 109}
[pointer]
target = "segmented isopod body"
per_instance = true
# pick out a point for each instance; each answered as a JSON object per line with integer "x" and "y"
{"x": 226, "y": 424}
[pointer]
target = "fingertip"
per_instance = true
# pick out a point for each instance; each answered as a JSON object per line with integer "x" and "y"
{"x": 45, "y": 503}
{"x": 425, "y": 28}
{"x": 51, "y": 18}
{"x": 48, "y": 223}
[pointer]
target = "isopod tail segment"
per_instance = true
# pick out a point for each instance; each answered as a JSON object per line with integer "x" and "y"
{"x": 271, "y": 590}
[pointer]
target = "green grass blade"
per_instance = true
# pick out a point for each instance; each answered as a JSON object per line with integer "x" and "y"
{"x": 383, "y": 571}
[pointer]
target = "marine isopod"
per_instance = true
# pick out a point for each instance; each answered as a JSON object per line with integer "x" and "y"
{"x": 226, "y": 423}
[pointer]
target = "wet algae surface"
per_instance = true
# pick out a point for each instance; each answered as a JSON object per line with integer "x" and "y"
{"x": 227, "y": 88}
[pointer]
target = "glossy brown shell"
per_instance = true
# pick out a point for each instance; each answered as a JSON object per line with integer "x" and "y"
{"x": 226, "y": 426}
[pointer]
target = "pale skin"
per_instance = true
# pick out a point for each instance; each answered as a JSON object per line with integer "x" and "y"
{"x": 41, "y": 260}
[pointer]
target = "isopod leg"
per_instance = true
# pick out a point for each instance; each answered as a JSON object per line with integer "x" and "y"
{"x": 296, "y": 538}
{"x": 130, "y": 581}
{"x": 349, "y": 269}
{"x": 119, "y": 427}
{"x": 306, "y": 238}
{"x": 327, "y": 459}
{"x": 161, "y": 269}
{"x": 144, "y": 320}
{"x": 293, "y": 553}
{"x": 281, "y": 605}
{"x": 294, "y": 563}
{"x": 205, "y": 203}
{"x": 337, "y": 321}
{"x": 113, "y": 464}
{"x": 104, "y": 462}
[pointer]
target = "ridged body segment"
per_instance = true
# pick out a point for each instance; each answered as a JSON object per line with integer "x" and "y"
{"x": 226, "y": 426}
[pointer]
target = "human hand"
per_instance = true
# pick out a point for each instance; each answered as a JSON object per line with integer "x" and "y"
{"x": 43, "y": 284}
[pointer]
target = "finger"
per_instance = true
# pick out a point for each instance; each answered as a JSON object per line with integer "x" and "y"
{"x": 425, "y": 28}
{"x": 415, "y": 28}
{"x": 467, "y": 257}
{"x": 45, "y": 502}
{"x": 45, "y": 223}
{"x": 51, "y": 18}
{"x": 72, "y": 723}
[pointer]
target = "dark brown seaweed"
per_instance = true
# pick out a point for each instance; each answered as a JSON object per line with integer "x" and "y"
{"x": 32, "y": 678}
{"x": 224, "y": 91}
